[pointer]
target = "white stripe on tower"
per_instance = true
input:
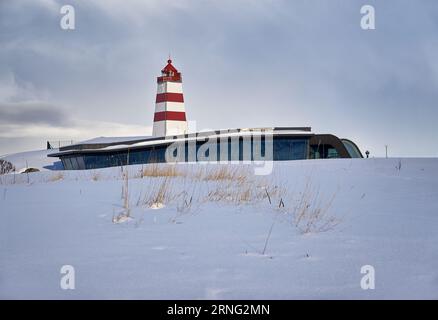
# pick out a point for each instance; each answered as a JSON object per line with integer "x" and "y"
{"x": 170, "y": 115}
{"x": 169, "y": 106}
{"x": 175, "y": 87}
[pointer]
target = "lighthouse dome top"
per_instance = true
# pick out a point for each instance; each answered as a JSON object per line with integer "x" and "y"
{"x": 169, "y": 73}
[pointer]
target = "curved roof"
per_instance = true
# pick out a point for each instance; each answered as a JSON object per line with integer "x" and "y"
{"x": 169, "y": 67}
{"x": 134, "y": 143}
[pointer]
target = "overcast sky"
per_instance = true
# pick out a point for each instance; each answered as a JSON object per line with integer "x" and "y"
{"x": 244, "y": 63}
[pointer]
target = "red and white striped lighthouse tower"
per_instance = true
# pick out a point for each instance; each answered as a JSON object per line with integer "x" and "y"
{"x": 170, "y": 114}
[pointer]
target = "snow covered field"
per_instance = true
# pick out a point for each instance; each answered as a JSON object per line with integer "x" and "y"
{"x": 224, "y": 233}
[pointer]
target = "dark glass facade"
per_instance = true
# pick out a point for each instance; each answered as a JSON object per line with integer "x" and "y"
{"x": 244, "y": 148}
{"x": 228, "y": 149}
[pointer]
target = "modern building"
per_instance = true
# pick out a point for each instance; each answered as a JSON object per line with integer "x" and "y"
{"x": 171, "y": 142}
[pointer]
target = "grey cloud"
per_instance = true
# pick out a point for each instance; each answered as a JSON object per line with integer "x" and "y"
{"x": 23, "y": 113}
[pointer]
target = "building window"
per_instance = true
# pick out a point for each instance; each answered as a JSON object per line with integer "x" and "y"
{"x": 332, "y": 153}
{"x": 67, "y": 164}
{"x": 352, "y": 149}
{"x": 323, "y": 151}
{"x": 74, "y": 163}
{"x": 81, "y": 163}
{"x": 287, "y": 148}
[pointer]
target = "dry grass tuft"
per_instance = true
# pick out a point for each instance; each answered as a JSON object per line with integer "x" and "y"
{"x": 160, "y": 193}
{"x": 125, "y": 215}
{"x": 312, "y": 214}
{"x": 56, "y": 177}
{"x": 160, "y": 170}
{"x": 95, "y": 176}
{"x": 224, "y": 173}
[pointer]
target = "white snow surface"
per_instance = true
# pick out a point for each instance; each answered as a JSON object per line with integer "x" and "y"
{"x": 387, "y": 211}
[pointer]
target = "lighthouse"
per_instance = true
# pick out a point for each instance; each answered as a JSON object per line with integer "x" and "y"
{"x": 170, "y": 114}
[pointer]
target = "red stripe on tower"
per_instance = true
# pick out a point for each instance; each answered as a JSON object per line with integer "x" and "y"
{"x": 169, "y": 96}
{"x": 170, "y": 115}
